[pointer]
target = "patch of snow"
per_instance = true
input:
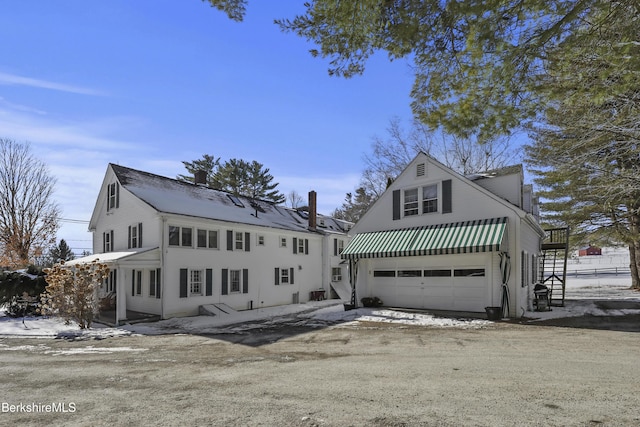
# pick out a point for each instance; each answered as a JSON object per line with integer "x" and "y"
{"x": 92, "y": 350}
{"x": 582, "y": 297}
{"x": 47, "y": 327}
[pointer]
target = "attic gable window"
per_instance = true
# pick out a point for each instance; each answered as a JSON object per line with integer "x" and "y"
{"x": 420, "y": 169}
{"x": 423, "y": 200}
{"x": 113, "y": 196}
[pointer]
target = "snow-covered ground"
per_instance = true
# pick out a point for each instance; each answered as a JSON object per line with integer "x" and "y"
{"x": 582, "y": 293}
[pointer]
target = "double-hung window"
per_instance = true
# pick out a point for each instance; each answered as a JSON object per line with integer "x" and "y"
{"x": 113, "y": 196}
{"x": 234, "y": 281}
{"x": 135, "y": 236}
{"x": 154, "y": 283}
{"x": 110, "y": 282}
{"x": 284, "y": 276}
{"x": 107, "y": 241}
{"x": 239, "y": 240}
{"x": 430, "y": 198}
{"x": 136, "y": 282}
{"x": 195, "y": 282}
{"x": 411, "y": 202}
{"x": 207, "y": 239}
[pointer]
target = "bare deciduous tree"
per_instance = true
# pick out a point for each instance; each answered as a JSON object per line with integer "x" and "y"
{"x": 391, "y": 155}
{"x": 295, "y": 200}
{"x": 29, "y": 217}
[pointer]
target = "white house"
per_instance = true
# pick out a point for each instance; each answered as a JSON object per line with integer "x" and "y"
{"x": 438, "y": 240}
{"x": 174, "y": 248}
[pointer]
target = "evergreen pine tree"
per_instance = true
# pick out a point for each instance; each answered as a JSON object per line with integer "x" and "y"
{"x": 586, "y": 155}
{"x": 59, "y": 253}
{"x": 207, "y": 163}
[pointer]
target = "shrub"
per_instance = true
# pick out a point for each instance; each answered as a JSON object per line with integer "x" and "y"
{"x": 20, "y": 290}
{"x": 72, "y": 291}
{"x": 372, "y": 302}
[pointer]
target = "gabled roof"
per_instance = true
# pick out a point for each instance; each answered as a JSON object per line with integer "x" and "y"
{"x": 461, "y": 178}
{"x": 167, "y": 195}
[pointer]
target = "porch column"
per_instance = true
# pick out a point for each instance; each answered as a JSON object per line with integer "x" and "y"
{"x": 121, "y": 296}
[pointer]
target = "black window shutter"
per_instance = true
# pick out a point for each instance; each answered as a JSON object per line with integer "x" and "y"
{"x": 295, "y": 245}
{"x": 335, "y": 247}
{"x": 158, "y": 287}
{"x": 108, "y": 194}
{"x": 247, "y": 242}
{"x": 291, "y": 275}
{"x": 129, "y": 238}
{"x": 117, "y": 195}
{"x": 140, "y": 235}
{"x": 104, "y": 242}
{"x": 396, "y": 204}
{"x": 133, "y": 282}
{"x": 306, "y": 246}
{"x": 225, "y": 282}
{"x": 209, "y": 274}
{"x": 245, "y": 281}
{"x": 111, "y": 241}
{"x": 229, "y": 240}
{"x": 446, "y": 196}
{"x": 277, "y": 281}
{"x": 183, "y": 283}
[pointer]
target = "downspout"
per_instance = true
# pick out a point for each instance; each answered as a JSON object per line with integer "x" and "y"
{"x": 326, "y": 275}
{"x": 162, "y": 269}
{"x": 353, "y": 278}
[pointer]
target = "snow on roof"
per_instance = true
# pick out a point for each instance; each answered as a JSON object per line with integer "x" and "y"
{"x": 171, "y": 196}
{"x": 108, "y": 256}
{"x": 507, "y": 170}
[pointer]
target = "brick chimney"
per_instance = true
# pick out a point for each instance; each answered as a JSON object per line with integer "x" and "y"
{"x": 200, "y": 177}
{"x": 313, "y": 210}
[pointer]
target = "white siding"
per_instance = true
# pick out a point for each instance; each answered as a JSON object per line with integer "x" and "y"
{"x": 469, "y": 202}
{"x": 260, "y": 262}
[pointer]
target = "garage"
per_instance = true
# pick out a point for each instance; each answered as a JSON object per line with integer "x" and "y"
{"x": 439, "y": 283}
{"x": 441, "y": 267}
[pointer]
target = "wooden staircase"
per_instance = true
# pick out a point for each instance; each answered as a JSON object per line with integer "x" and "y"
{"x": 553, "y": 264}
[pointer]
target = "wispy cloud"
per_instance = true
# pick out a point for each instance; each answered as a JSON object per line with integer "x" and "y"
{"x": 19, "y": 107}
{"x": 13, "y": 79}
{"x": 38, "y": 128}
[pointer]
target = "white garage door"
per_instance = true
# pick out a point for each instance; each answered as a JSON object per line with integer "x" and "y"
{"x": 459, "y": 283}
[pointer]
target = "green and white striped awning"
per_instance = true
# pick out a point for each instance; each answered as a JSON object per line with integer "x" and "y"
{"x": 456, "y": 238}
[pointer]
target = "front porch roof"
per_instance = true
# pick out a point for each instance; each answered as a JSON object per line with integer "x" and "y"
{"x": 109, "y": 257}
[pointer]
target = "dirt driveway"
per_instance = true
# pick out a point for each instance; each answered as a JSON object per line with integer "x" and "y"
{"x": 352, "y": 374}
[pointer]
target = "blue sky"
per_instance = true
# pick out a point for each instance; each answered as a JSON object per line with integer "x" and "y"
{"x": 149, "y": 83}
